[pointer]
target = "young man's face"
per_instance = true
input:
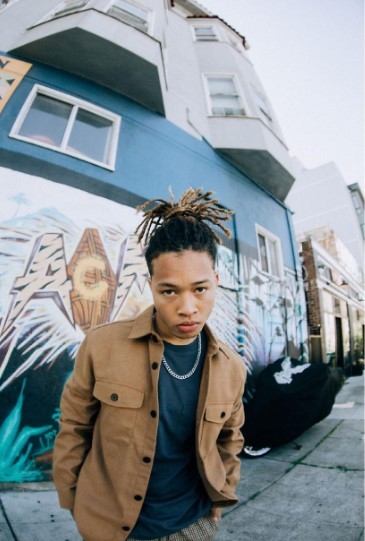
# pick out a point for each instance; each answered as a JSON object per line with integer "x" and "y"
{"x": 183, "y": 287}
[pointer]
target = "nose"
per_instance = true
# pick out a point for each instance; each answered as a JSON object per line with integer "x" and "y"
{"x": 187, "y": 306}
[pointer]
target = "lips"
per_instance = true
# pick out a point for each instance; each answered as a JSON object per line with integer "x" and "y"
{"x": 188, "y": 326}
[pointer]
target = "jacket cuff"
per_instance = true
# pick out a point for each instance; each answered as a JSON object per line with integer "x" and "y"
{"x": 67, "y": 498}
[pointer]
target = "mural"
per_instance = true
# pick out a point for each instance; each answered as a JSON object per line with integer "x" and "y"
{"x": 11, "y": 73}
{"x": 70, "y": 261}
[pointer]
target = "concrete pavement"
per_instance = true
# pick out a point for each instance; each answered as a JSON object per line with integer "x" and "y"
{"x": 309, "y": 490}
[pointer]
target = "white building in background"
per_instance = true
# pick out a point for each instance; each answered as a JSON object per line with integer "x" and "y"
{"x": 329, "y": 226}
{"x": 320, "y": 198}
{"x": 359, "y": 205}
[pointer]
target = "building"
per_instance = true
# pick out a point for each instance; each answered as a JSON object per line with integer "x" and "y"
{"x": 358, "y": 201}
{"x": 335, "y": 302}
{"x": 329, "y": 223}
{"x": 105, "y": 104}
{"x": 320, "y": 197}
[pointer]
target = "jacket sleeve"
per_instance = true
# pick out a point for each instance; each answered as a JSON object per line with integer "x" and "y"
{"x": 79, "y": 409}
{"x": 230, "y": 440}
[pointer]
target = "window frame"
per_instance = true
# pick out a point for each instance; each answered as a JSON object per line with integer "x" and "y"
{"x": 201, "y": 25}
{"x": 56, "y": 12}
{"x": 268, "y": 236}
{"x": 264, "y": 112}
{"x": 77, "y": 104}
{"x": 137, "y": 5}
{"x": 239, "y": 94}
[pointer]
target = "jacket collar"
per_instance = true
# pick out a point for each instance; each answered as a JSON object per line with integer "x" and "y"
{"x": 143, "y": 326}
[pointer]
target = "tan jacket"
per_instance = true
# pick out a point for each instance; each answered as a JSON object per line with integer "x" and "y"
{"x": 104, "y": 452}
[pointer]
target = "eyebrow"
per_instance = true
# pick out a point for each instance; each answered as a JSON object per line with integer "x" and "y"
{"x": 199, "y": 282}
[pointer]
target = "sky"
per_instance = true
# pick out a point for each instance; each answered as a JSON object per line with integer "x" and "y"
{"x": 309, "y": 56}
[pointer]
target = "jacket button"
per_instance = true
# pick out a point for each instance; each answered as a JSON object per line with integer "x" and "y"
{"x": 146, "y": 459}
{"x": 138, "y": 498}
{"x": 223, "y": 414}
{"x": 114, "y": 397}
{"x": 126, "y": 528}
{"x": 153, "y": 413}
{"x": 154, "y": 366}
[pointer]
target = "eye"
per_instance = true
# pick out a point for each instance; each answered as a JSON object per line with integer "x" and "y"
{"x": 201, "y": 289}
{"x": 168, "y": 292}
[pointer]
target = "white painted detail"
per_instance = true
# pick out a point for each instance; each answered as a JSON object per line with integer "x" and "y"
{"x": 287, "y": 371}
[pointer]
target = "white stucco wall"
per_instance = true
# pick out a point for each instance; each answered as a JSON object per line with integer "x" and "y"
{"x": 320, "y": 197}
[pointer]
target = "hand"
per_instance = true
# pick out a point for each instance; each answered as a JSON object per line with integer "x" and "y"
{"x": 215, "y": 514}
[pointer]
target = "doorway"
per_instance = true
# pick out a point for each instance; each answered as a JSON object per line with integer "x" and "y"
{"x": 339, "y": 343}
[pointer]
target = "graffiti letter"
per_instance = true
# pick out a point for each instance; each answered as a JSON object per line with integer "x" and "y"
{"x": 3, "y": 63}
{"x": 45, "y": 276}
{"x": 132, "y": 269}
{"x": 93, "y": 282}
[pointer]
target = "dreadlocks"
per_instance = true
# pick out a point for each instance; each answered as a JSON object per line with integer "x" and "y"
{"x": 187, "y": 224}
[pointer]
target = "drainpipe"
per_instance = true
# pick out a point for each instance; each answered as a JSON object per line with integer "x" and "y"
{"x": 296, "y": 263}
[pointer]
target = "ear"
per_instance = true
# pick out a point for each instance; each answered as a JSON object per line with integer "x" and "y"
{"x": 216, "y": 278}
{"x": 150, "y": 281}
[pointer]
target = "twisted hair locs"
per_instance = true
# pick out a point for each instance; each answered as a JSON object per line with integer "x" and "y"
{"x": 193, "y": 204}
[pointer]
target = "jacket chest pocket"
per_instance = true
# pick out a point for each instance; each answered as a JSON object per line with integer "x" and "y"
{"x": 215, "y": 416}
{"x": 119, "y": 406}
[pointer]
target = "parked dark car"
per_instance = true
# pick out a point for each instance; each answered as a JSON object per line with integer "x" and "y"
{"x": 290, "y": 396}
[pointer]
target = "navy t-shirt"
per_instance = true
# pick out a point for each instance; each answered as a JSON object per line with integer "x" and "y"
{"x": 175, "y": 496}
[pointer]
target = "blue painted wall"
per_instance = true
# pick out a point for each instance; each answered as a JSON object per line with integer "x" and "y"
{"x": 153, "y": 154}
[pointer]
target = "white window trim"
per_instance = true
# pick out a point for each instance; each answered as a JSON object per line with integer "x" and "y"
{"x": 150, "y": 18}
{"x": 205, "y": 25}
{"x": 279, "y": 254}
{"x": 52, "y": 13}
{"x": 71, "y": 100}
{"x": 268, "y": 118}
{"x": 242, "y": 101}
{"x": 234, "y": 41}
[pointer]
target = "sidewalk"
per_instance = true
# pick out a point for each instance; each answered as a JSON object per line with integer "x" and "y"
{"x": 310, "y": 490}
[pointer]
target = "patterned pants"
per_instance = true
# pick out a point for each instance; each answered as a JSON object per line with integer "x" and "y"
{"x": 204, "y": 529}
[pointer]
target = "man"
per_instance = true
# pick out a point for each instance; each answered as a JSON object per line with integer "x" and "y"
{"x": 151, "y": 417}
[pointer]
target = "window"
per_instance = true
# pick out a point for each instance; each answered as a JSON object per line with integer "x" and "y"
{"x": 262, "y": 106}
{"x": 269, "y": 252}
{"x": 67, "y": 124}
{"x": 224, "y": 97}
{"x": 68, "y": 6}
{"x": 205, "y": 33}
{"x": 327, "y": 273}
{"x": 65, "y": 8}
{"x": 130, "y": 13}
{"x": 336, "y": 306}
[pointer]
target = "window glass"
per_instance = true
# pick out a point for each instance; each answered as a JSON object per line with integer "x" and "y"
{"x": 46, "y": 120}
{"x": 357, "y": 202}
{"x": 263, "y": 107}
{"x": 73, "y": 127}
{"x": 269, "y": 252}
{"x": 205, "y": 33}
{"x": 91, "y": 135}
{"x": 225, "y": 100}
{"x": 263, "y": 254}
{"x": 328, "y": 274}
{"x": 130, "y": 13}
{"x": 222, "y": 85}
{"x": 274, "y": 264}
{"x": 69, "y": 6}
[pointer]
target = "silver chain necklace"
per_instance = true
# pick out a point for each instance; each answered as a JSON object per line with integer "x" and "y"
{"x": 191, "y": 372}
